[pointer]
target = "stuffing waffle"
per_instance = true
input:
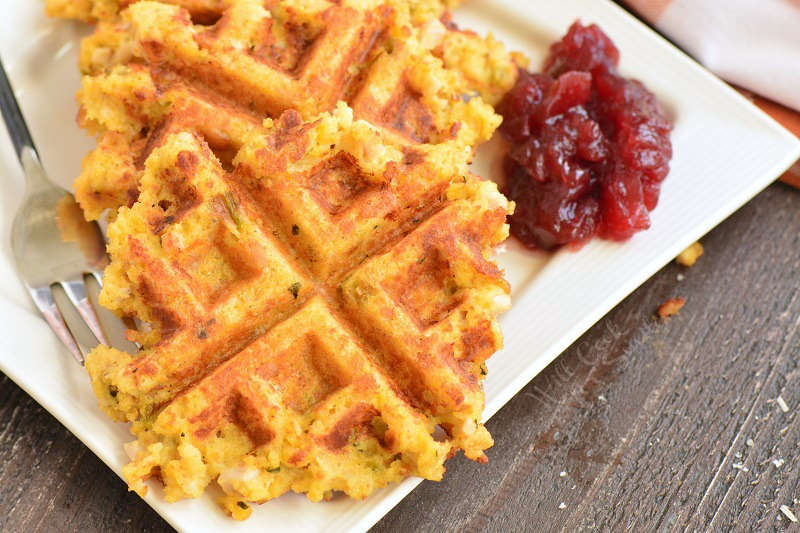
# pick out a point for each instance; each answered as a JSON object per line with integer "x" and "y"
{"x": 321, "y": 311}
{"x": 208, "y": 10}
{"x": 293, "y": 224}
{"x": 159, "y": 66}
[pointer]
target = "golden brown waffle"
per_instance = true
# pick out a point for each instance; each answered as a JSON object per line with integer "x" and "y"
{"x": 482, "y": 64}
{"x": 317, "y": 293}
{"x": 320, "y": 314}
{"x": 132, "y": 112}
{"x": 157, "y": 65}
{"x": 86, "y": 10}
{"x": 208, "y": 10}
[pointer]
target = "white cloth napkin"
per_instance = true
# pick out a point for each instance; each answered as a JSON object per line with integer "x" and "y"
{"x": 752, "y": 43}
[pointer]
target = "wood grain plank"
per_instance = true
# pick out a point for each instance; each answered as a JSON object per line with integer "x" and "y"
{"x": 49, "y": 481}
{"x": 694, "y": 450}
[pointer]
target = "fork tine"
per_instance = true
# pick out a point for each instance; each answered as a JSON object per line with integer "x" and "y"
{"x": 98, "y": 276}
{"x": 76, "y": 292}
{"x": 43, "y": 297}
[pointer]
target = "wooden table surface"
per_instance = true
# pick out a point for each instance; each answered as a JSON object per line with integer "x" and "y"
{"x": 641, "y": 425}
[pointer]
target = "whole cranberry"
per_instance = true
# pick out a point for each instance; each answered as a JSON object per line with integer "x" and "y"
{"x": 584, "y": 48}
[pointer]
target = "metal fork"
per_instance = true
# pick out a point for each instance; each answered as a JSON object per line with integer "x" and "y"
{"x": 52, "y": 243}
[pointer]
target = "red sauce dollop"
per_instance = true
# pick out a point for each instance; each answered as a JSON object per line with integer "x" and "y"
{"x": 589, "y": 148}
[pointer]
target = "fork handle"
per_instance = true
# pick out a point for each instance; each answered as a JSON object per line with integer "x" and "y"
{"x": 15, "y": 123}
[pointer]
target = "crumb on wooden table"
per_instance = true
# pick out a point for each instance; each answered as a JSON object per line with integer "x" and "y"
{"x": 788, "y": 512}
{"x": 782, "y": 404}
{"x": 670, "y": 307}
{"x": 740, "y": 466}
{"x": 689, "y": 256}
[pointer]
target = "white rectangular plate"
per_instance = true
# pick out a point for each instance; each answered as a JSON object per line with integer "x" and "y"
{"x": 726, "y": 151}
